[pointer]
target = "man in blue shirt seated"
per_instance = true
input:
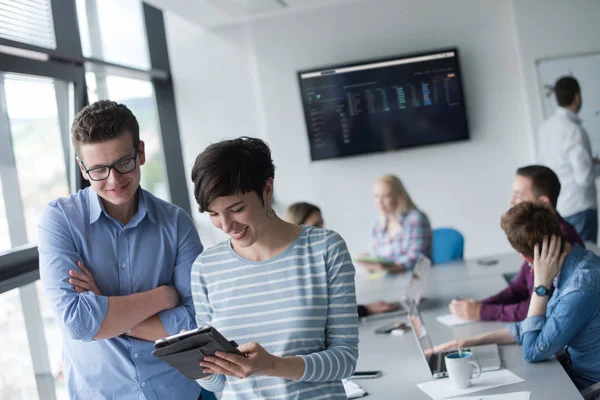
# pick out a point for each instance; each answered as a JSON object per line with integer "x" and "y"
{"x": 568, "y": 320}
{"x": 115, "y": 263}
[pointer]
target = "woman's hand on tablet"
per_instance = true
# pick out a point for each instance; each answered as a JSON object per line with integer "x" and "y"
{"x": 258, "y": 361}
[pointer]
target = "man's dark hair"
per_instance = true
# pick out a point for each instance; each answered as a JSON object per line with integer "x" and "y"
{"x": 544, "y": 182}
{"x": 102, "y": 121}
{"x": 526, "y": 225}
{"x": 229, "y": 167}
{"x": 565, "y": 90}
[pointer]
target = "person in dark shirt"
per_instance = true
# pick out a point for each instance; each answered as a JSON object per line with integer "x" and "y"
{"x": 532, "y": 183}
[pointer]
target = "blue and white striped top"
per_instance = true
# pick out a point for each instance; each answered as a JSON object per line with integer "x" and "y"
{"x": 301, "y": 302}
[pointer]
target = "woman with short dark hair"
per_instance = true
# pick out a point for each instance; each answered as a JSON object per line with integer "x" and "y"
{"x": 284, "y": 292}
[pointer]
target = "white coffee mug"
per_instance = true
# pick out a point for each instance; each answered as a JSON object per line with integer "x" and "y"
{"x": 460, "y": 369}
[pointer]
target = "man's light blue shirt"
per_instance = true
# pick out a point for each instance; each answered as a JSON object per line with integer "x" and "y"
{"x": 572, "y": 320}
{"x": 156, "y": 247}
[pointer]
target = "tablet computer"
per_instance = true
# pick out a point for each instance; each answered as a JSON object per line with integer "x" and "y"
{"x": 380, "y": 260}
{"x": 184, "y": 351}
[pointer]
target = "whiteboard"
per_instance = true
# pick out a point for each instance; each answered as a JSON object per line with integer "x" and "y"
{"x": 586, "y": 69}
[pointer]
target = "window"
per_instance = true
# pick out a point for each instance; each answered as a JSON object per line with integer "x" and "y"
{"x": 27, "y": 22}
{"x": 38, "y": 164}
{"x": 36, "y": 144}
{"x": 53, "y": 335}
{"x": 114, "y": 31}
{"x": 17, "y": 380}
{"x": 4, "y": 234}
{"x": 138, "y": 95}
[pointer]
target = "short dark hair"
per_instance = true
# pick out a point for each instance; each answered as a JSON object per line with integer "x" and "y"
{"x": 299, "y": 212}
{"x": 565, "y": 90}
{"x": 101, "y": 121}
{"x": 544, "y": 182}
{"x": 527, "y": 223}
{"x": 231, "y": 166}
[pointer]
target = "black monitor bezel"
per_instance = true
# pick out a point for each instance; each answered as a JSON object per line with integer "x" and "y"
{"x": 385, "y": 59}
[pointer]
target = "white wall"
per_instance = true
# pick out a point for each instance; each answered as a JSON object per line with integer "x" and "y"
{"x": 214, "y": 91}
{"x": 243, "y": 81}
{"x": 549, "y": 29}
{"x": 465, "y": 185}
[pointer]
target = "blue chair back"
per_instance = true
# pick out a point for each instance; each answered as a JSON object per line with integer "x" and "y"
{"x": 448, "y": 245}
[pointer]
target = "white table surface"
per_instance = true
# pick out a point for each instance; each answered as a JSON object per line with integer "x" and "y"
{"x": 399, "y": 356}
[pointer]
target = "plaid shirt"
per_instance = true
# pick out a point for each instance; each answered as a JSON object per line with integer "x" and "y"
{"x": 404, "y": 248}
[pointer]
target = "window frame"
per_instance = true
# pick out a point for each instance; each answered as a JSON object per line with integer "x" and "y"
{"x": 19, "y": 266}
{"x": 66, "y": 31}
{"x": 74, "y": 74}
{"x": 66, "y": 63}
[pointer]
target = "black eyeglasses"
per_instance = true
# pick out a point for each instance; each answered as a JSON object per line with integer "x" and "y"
{"x": 102, "y": 172}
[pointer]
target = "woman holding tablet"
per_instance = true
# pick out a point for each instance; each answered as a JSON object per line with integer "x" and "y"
{"x": 401, "y": 232}
{"x": 284, "y": 292}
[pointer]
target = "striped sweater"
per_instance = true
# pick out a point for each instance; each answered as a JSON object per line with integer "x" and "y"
{"x": 301, "y": 302}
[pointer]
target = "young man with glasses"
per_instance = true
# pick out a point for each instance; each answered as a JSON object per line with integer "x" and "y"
{"x": 115, "y": 263}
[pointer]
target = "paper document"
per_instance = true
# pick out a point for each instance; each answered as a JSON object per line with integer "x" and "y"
{"x": 439, "y": 389}
{"x": 353, "y": 390}
{"x": 507, "y": 396}
{"x": 452, "y": 320}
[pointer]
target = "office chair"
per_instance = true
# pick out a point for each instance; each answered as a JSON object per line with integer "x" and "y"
{"x": 448, "y": 245}
{"x": 592, "y": 393}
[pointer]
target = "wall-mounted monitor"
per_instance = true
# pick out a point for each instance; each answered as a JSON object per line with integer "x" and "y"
{"x": 384, "y": 105}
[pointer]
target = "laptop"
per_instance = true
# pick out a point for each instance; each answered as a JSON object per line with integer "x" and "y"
{"x": 418, "y": 278}
{"x": 488, "y": 356}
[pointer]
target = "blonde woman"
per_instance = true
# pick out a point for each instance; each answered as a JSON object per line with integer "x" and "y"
{"x": 401, "y": 232}
{"x": 303, "y": 213}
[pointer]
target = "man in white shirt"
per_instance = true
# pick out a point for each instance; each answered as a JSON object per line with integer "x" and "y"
{"x": 565, "y": 148}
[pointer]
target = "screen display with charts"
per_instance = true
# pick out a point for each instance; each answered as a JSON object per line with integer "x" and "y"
{"x": 384, "y": 105}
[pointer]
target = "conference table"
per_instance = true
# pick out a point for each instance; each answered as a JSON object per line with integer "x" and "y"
{"x": 399, "y": 357}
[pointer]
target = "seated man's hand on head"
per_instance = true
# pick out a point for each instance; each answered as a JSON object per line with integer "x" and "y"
{"x": 466, "y": 309}
{"x": 547, "y": 260}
